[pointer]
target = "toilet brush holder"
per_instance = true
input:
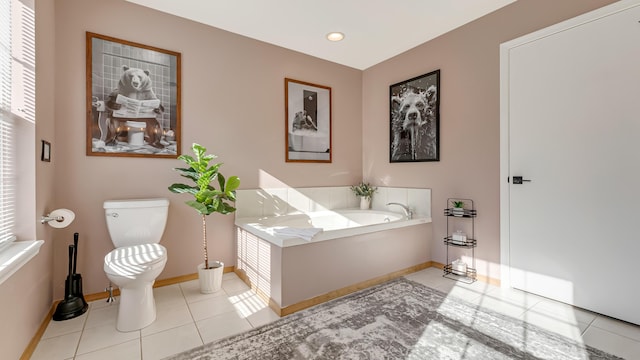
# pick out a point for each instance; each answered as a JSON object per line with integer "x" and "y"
{"x": 72, "y": 306}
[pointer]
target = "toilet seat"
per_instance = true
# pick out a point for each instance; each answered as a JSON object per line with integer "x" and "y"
{"x": 130, "y": 261}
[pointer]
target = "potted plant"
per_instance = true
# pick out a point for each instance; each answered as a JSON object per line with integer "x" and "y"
{"x": 207, "y": 200}
{"x": 458, "y": 208}
{"x": 365, "y": 191}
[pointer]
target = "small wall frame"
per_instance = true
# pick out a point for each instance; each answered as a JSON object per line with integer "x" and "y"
{"x": 133, "y": 99}
{"x": 307, "y": 122}
{"x": 45, "y": 155}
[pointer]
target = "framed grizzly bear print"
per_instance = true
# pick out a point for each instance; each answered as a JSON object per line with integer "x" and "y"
{"x": 133, "y": 99}
{"x": 415, "y": 119}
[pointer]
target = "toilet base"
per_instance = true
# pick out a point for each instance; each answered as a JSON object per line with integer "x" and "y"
{"x": 137, "y": 308}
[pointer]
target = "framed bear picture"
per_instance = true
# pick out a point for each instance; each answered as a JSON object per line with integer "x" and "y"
{"x": 133, "y": 99}
{"x": 415, "y": 119}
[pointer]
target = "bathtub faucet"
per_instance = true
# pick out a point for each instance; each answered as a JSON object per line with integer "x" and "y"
{"x": 407, "y": 210}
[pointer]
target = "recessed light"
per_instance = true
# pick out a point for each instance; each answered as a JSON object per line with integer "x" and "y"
{"x": 335, "y": 36}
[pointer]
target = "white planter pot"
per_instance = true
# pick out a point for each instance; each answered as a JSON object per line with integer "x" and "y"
{"x": 210, "y": 279}
{"x": 365, "y": 203}
{"x": 458, "y": 211}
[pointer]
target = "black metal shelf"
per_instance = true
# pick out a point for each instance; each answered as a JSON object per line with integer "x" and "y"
{"x": 469, "y": 277}
{"x": 469, "y": 243}
{"x": 469, "y": 214}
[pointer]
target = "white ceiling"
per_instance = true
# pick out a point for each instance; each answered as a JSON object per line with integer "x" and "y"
{"x": 375, "y": 30}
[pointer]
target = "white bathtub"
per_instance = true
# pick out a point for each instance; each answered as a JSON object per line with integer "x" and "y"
{"x": 307, "y": 140}
{"x": 335, "y": 224}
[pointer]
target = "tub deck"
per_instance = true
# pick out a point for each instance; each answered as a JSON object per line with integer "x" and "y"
{"x": 335, "y": 224}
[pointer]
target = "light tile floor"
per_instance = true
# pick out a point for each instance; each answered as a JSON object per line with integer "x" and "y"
{"x": 187, "y": 318}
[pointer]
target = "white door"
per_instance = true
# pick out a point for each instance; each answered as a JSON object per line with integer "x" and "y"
{"x": 574, "y": 131}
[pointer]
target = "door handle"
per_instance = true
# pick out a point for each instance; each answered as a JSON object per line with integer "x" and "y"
{"x": 517, "y": 180}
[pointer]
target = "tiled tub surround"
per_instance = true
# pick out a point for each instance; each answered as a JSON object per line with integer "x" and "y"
{"x": 294, "y": 273}
{"x": 282, "y": 201}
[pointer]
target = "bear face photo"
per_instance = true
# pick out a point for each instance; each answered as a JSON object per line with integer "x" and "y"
{"x": 135, "y": 84}
{"x": 414, "y": 119}
{"x": 133, "y": 96}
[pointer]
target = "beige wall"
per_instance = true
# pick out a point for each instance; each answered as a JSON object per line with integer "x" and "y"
{"x": 468, "y": 58}
{"x": 232, "y": 103}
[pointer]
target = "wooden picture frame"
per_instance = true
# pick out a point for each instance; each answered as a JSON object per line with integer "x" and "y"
{"x": 133, "y": 99}
{"x": 415, "y": 119}
{"x": 307, "y": 122}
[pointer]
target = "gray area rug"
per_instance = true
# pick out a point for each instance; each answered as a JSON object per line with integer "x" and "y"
{"x": 400, "y": 319}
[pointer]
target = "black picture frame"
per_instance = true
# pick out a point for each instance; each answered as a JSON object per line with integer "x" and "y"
{"x": 414, "y": 119}
{"x": 133, "y": 118}
{"x": 307, "y": 122}
{"x": 45, "y": 155}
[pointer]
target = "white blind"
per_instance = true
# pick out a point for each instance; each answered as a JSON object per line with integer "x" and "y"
{"x": 17, "y": 98}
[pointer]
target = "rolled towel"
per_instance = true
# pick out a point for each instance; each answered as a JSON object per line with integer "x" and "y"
{"x": 303, "y": 233}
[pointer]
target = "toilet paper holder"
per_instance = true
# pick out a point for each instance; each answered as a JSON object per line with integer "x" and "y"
{"x": 48, "y": 217}
{"x": 58, "y": 218}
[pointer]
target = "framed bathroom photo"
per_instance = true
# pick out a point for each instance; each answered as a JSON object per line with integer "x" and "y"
{"x": 133, "y": 99}
{"x": 415, "y": 119}
{"x": 307, "y": 122}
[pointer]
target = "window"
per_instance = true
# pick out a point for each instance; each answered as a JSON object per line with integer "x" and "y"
{"x": 17, "y": 99}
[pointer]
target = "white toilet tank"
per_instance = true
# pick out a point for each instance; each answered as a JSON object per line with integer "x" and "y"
{"x": 136, "y": 221}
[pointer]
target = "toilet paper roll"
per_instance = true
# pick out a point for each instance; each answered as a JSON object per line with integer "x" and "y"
{"x": 67, "y": 218}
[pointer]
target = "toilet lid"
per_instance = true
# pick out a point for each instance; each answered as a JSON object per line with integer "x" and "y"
{"x": 134, "y": 260}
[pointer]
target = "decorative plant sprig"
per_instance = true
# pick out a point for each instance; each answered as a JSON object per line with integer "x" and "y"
{"x": 207, "y": 199}
{"x": 458, "y": 204}
{"x": 364, "y": 189}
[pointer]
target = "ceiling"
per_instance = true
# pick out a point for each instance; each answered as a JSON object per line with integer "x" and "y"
{"x": 375, "y": 30}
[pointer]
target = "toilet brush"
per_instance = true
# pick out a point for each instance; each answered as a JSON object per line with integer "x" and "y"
{"x": 72, "y": 306}
{"x": 76, "y": 288}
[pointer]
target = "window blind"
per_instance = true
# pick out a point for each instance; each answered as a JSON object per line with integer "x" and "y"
{"x": 17, "y": 99}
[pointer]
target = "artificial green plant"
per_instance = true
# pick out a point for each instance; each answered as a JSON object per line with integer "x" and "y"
{"x": 207, "y": 199}
{"x": 364, "y": 189}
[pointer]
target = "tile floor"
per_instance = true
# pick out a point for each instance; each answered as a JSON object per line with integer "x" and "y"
{"x": 187, "y": 319}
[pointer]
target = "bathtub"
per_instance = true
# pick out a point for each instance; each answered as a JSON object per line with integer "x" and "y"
{"x": 335, "y": 224}
{"x": 307, "y": 140}
{"x": 355, "y": 247}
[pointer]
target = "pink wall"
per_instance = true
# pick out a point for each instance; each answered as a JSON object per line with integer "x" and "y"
{"x": 232, "y": 103}
{"x": 468, "y": 58}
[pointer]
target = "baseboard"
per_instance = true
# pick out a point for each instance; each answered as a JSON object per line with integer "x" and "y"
{"x": 348, "y": 289}
{"x": 28, "y": 351}
{"x": 352, "y": 288}
{"x": 261, "y": 294}
{"x": 332, "y": 294}
{"x": 31, "y": 347}
{"x": 158, "y": 283}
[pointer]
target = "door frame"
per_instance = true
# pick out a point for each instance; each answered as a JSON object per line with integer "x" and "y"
{"x": 505, "y": 185}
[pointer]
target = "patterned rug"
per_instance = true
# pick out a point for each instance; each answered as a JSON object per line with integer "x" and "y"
{"x": 400, "y": 319}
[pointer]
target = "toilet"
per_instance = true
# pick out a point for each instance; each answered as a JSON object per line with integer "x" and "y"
{"x": 135, "y": 227}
